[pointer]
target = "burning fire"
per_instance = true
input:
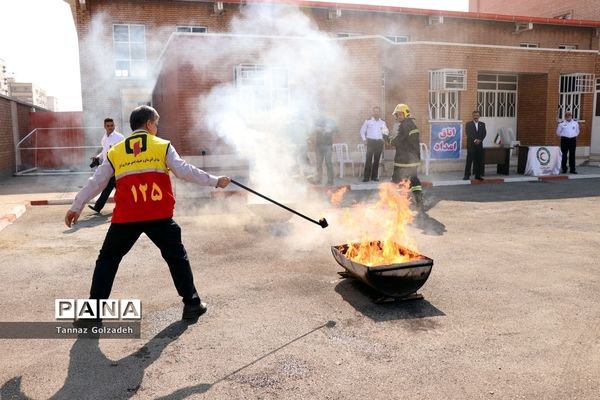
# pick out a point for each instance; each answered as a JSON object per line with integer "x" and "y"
{"x": 337, "y": 196}
{"x": 383, "y": 232}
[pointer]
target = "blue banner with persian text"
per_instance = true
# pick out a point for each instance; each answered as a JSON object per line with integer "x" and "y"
{"x": 446, "y": 138}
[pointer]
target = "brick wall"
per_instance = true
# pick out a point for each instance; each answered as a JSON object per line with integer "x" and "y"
{"x": 580, "y": 9}
{"x": 192, "y": 74}
{"x": 101, "y": 91}
{"x": 532, "y": 110}
{"x": 182, "y": 82}
{"x": 7, "y": 144}
{"x": 406, "y": 66}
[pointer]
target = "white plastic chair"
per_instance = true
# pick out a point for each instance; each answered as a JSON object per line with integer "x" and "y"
{"x": 425, "y": 156}
{"x": 362, "y": 151}
{"x": 341, "y": 155}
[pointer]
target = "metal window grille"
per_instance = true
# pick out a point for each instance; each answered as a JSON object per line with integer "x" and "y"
{"x": 497, "y": 95}
{"x": 398, "y": 39}
{"x": 597, "y": 111}
{"x": 443, "y": 105}
{"x": 571, "y": 87}
{"x": 192, "y": 29}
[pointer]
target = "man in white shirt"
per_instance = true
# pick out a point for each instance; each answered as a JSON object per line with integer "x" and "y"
{"x": 373, "y": 131}
{"x": 110, "y": 138}
{"x": 568, "y": 130}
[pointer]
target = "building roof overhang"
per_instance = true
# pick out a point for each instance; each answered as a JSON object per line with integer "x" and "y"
{"x": 419, "y": 11}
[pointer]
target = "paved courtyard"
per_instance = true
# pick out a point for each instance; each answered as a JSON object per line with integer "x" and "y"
{"x": 510, "y": 309}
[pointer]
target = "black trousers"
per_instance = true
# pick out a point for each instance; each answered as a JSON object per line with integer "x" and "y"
{"x": 374, "y": 150}
{"x": 474, "y": 159}
{"x": 324, "y": 154}
{"x": 410, "y": 173}
{"x": 568, "y": 145}
{"x": 120, "y": 238}
{"x": 104, "y": 195}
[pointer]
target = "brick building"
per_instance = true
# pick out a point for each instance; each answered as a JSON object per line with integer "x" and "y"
{"x": 580, "y": 9}
{"x": 204, "y": 65}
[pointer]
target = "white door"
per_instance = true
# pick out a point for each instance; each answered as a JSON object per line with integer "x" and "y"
{"x": 595, "y": 143}
{"x": 495, "y": 125}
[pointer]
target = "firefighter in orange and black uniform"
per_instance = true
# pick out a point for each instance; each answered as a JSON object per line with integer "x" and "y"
{"x": 408, "y": 154}
{"x": 144, "y": 203}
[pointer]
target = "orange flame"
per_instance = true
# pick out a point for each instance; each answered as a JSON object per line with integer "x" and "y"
{"x": 337, "y": 196}
{"x": 385, "y": 238}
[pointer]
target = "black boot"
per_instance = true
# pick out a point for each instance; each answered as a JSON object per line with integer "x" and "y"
{"x": 418, "y": 199}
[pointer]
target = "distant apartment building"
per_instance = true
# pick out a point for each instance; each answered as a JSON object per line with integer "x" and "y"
{"x": 52, "y": 103}
{"x": 523, "y": 73}
{"x": 28, "y": 93}
{"x": 4, "y": 89}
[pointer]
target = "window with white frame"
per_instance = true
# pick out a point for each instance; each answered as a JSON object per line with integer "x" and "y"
{"x": 130, "y": 51}
{"x": 444, "y": 87}
{"x": 262, "y": 88}
{"x": 497, "y": 95}
{"x": 397, "y": 39}
{"x": 568, "y": 46}
{"x": 571, "y": 87}
{"x": 531, "y": 45}
{"x": 192, "y": 29}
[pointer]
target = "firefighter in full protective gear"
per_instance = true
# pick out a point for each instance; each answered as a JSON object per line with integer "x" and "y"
{"x": 408, "y": 154}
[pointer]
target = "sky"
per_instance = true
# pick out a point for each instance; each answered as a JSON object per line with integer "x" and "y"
{"x": 38, "y": 43}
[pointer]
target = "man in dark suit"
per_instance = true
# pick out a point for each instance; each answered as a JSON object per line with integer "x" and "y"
{"x": 475, "y": 134}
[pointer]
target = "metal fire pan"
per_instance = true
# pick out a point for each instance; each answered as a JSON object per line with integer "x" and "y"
{"x": 393, "y": 280}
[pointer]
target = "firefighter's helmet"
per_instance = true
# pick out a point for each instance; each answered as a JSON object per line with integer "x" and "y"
{"x": 403, "y": 108}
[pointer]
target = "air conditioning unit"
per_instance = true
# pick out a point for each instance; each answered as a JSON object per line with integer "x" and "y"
{"x": 334, "y": 13}
{"x": 448, "y": 79}
{"x": 436, "y": 19}
{"x": 218, "y": 7}
{"x": 523, "y": 26}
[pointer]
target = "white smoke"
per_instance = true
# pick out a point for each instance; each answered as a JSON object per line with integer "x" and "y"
{"x": 305, "y": 69}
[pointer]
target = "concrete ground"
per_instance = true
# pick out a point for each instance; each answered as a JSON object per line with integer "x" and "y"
{"x": 509, "y": 311}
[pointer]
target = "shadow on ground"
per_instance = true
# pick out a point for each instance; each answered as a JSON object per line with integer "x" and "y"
{"x": 362, "y": 298}
{"x": 89, "y": 221}
{"x": 92, "y": 375}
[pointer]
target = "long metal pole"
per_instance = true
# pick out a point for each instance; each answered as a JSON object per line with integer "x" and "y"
{"x": 322, "y": 222}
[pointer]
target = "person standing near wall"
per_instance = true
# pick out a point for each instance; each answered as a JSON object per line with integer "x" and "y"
{"x": 568, "y": 130}
{"x": 110, "y": 138}
{"x": 144, "y": 203}
{"x": 373, "y": 132}
{"x": 476, "y": 132}
{"x": 325, "y": 128}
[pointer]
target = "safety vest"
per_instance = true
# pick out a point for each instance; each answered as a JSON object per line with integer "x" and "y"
{"x": 144, "y": 191}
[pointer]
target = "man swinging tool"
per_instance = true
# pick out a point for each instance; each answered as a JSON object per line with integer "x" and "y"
{"x": 408, "y": 153}
{"x": 144, "y": 203}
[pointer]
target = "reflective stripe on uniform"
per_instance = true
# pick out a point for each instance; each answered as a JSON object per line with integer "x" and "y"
{"x": 143, "y": 170}
{"x": 416, "y": 188}
{"x": 407, "y": 165}
{"x": 413, "y": 132}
